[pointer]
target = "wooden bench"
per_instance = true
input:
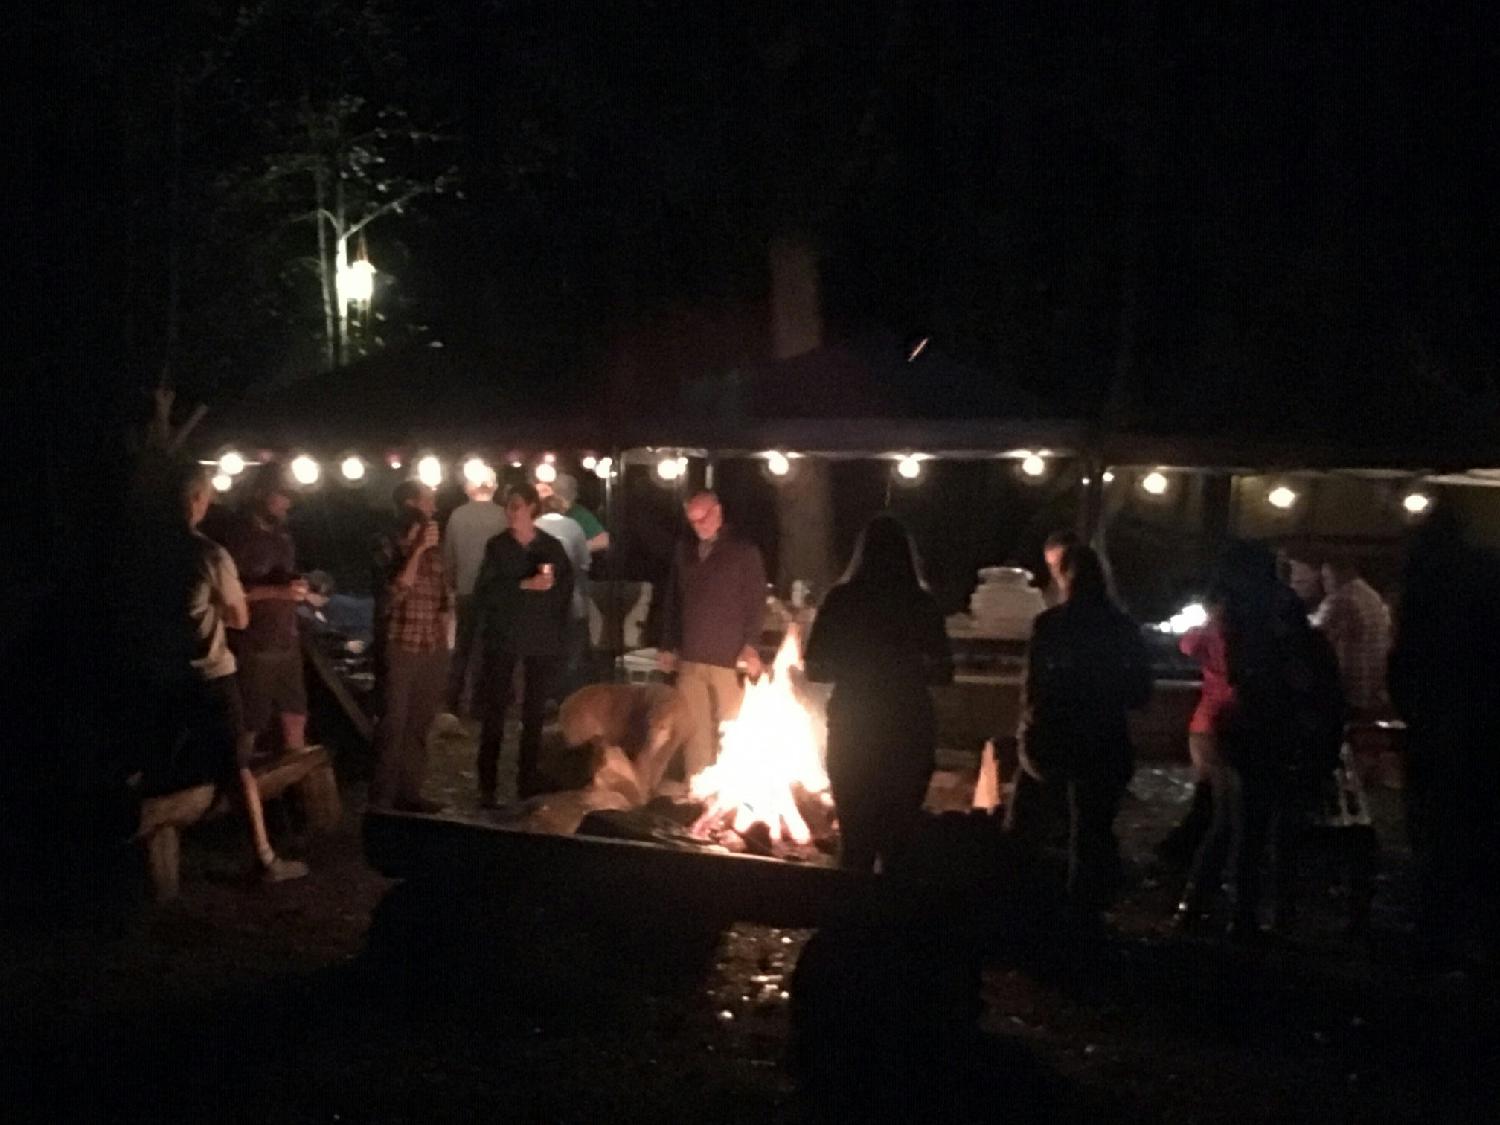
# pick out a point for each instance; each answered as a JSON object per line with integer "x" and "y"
{"x": 307, "y": 773}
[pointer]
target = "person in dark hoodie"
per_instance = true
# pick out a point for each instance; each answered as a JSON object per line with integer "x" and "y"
{"x": 879, "y": 638}
{"x": 524, "y": 594}
{"x": 1086, "y": 668}
{"x": 1443, "y": 674}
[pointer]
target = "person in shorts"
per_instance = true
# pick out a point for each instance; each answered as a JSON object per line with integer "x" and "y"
{"x": 182, "y": 595}
{"x": 269, "y": 650}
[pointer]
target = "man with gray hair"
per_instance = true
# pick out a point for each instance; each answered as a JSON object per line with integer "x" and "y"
{"x": 711, "y": 623}
{"x": 565, "y": 487}
{"x": 470, "y": 527}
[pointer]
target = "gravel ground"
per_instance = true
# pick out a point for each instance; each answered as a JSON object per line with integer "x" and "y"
{"x": 239, "y": 1002}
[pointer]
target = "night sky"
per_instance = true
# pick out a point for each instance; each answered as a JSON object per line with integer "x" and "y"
{"x": 1171, "y": 216}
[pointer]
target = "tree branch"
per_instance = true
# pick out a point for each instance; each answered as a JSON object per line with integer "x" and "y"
{"x": 387, "y": 208}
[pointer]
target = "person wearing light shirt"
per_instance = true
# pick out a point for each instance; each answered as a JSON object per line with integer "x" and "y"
{"x": 470, "y": 527}
{"x": 1357, "y": 623}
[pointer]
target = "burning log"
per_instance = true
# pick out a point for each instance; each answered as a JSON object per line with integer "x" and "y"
{"x": 769, "y": 787}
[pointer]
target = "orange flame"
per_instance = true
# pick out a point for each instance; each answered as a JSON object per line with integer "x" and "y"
{"x": 767, "y": 754}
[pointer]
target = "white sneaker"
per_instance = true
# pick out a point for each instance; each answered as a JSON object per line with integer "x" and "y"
{"x": 282, "y": 870}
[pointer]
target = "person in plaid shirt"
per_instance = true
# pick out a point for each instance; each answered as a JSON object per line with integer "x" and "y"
{"x": 1358, "y": 625}
{"x": 411, "y": 624}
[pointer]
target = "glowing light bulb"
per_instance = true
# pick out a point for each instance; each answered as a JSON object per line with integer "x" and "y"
{"x": 588, "y": 462}
{"x": 356, "y": 281}
{"x": 430, "y": 471}
{"x": 1281, "y": 497}
{"x": 909, "y": 467}
{"x": 1154, "y": 482}
{"x": 1190, "y": 616}
{"x": 477, "y": 471}
{"x": 232, "y": 464}
{"x": 546, "y": 472}
{"x": 671, "y": 468}
{"x": 305, "y": 470}
{"x": 778, "y": 463}
{"x": 1416, "y": 503}
{"x": 1108, "y": 477}
{"x": 1033, "y": 465}
{"x": 222, "y": 482}
{"x": 353, "y": 468}
{"x": 604, "y": 467}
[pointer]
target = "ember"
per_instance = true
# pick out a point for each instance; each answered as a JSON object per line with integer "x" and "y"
{"x": 770, "y": 769}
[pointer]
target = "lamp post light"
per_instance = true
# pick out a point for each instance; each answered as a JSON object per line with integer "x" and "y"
{"x": 354, "y": 287}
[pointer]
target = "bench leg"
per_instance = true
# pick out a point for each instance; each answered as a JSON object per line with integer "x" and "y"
{"x": 164, "y": 862}
{"x": 318, "y": 794}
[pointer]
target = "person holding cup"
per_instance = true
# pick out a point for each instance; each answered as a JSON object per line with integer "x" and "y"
{"x": 414, "y": 608}
{"x": 523, "y": 596}
{"x": 269, "y": 650}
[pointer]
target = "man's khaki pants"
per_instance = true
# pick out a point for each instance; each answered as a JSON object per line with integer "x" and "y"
{"x": 713, "y": 696}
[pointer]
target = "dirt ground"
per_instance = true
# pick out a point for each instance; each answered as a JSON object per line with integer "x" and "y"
{"x": 247, "y": 1003}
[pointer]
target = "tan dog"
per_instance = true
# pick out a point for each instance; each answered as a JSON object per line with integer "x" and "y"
{"x": 649, "y": 723}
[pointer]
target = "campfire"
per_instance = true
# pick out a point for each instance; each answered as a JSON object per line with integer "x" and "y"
{"x": 769, "y": 785}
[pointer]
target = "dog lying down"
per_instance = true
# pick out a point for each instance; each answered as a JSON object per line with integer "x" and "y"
{"x": 618, "y": 737}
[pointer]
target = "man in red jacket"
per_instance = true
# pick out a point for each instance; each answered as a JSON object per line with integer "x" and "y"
{"x": 711, "y": 623}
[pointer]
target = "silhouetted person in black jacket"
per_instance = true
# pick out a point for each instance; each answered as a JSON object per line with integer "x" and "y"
{"x": 879, "y": 638}
{"x": 1086, "y": 667}
{"x": 1445, "y": 683}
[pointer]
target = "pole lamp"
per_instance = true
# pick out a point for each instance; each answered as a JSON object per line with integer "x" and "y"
{"x": 355, "y": 283}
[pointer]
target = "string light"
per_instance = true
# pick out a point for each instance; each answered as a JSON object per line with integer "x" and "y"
{"x": 909, "y": 467}
{"x": 1416, "y": 503}
{"x": 546, "y": 472}
{"x": 778, "y": 464}
{"x": 477, "y": 471}
{"x": 305, "y": 470}
{"x": 588, "y": 462}
{"x": 430, "y": 471}
{"x": 1281, "y": 497}
{"x": 671, "y": 468}
{"x": 222, "y": 482}
{"x": 353, "y": 468}
{"x": 604, "y": 467}
{"x": 1033, "y": 464}
{"x": 1154, "y": 482}
{"x": 232, "y": 464}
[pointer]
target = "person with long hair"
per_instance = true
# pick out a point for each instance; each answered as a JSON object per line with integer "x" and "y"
{"x": 879, "y": 639}
{"x": 1085, "y": 668}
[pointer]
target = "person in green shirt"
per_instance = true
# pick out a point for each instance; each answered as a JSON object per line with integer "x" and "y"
{"x": 566, "y": 488}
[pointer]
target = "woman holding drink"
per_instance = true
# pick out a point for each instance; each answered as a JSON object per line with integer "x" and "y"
{"x": 522, "y": 597}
